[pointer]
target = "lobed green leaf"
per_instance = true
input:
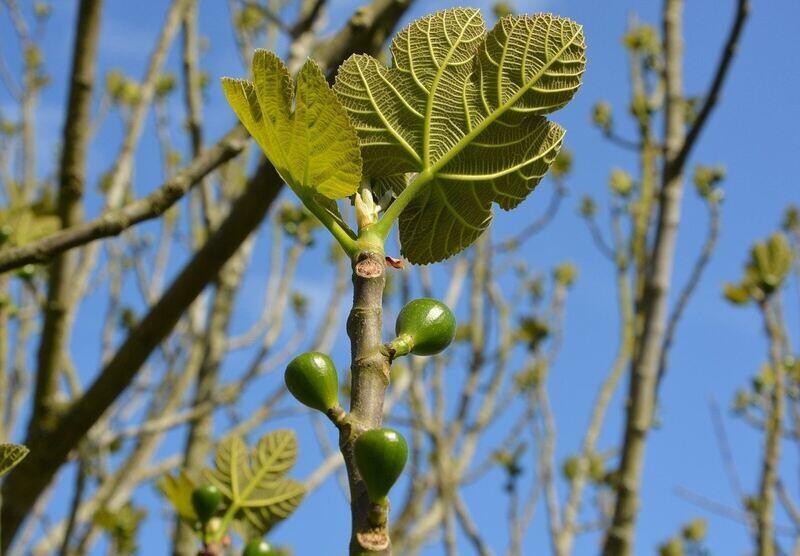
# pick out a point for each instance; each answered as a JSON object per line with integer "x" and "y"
{"x": 465, "y": 109}
{"x": 313, "y": 147}
{"x": 255, "y": 483}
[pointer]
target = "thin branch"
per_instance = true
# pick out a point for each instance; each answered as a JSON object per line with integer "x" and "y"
{"x": 689, "y": 288}
{"x": 537, "y": 225}
{"x": 114, "y": 222}
{"x": 723, "y": 67}
{"x": 469, "y": 527}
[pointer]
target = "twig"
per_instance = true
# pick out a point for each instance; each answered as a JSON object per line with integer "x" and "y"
{"x": 115, "y": 222}
{"x": 723, "y": 67}
{"x": 689, "y": 288}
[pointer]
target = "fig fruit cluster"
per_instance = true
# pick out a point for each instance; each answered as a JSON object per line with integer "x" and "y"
{"x": 424, "y": 327}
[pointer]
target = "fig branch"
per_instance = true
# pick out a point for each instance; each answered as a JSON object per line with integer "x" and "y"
{"x": 374, "y": 456}
{"x": 376, "y": 140}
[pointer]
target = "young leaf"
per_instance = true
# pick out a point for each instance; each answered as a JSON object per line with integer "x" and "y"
{"x": 314, "y": 148}
{"x": 465, "y": 110}
{"x": 254, "y": 483}
{"x": 10, "y": 456}
{"x": 177, "y": 489}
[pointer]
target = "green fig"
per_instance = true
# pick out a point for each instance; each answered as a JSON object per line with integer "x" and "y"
{"x": 424, "y": 327}
{"x": 311, "y": 378}
{"x": 380, "y": 457}
{"x": 206, "y": 501}
{"x": 259, "y": 547}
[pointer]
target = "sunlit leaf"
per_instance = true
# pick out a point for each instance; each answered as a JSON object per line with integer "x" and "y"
{"x": 466, "y": 108}
{"x": 177, "y": 489}
{"x": 304, "y": 133}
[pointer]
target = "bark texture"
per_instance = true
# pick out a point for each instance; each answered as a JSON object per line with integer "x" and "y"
{"x": 369, "y": 370}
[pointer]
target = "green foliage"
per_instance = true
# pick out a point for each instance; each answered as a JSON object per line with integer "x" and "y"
{"x": 42, "y": 10}
{"x": 121, "y": 89}
{"x": 695, "y": 530}
{"x": 178, "y": 489}
{"x": 565, "y": 274}
{"x": 122, "y": 526}
{"x": 249, "y": 19}
{"x": 312, "y": 379}
{"x": 531, "y": 377}
{"x": 303, "y": 130}
{"x": 424, "y": 326}
{"x": 297, "y": 223}
{"x": 791, "y": 220}
{"x": 503, "y": 9}
{"x": 254, "y": 483}
{"x": 588, "y": 207}
{"x": 562, "y": 165}
{"x": 707, "y": 179}
{"x": 620, "y": 182}
{"x": 673, "y": 547}
{"x": 10, "y": 456}
{"x": 380, "y": 457}
{"x": 602, "y": 116}
{"x": 689, "y": 541}
{"x": 570, "y": 467}
{"x": 465, "y": 110}
{"x": 206, "y": 501}
{"x": 165, "y": 84}
{"x": 533, "y": 331}
{"x": 769, "y": 265}
{"x": 643, "y": 40}
{"x": 25, "y": 222}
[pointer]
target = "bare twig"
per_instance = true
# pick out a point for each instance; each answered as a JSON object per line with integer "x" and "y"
{"x": 116, "y": 221}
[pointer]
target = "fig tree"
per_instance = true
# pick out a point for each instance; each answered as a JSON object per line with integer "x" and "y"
{"x": 311, "y": 378}
{"x": 259, "y": 547}
{"x": 380, "y": 457}
{"x": 424, "y": 327}
{"x": 205, "y": 501}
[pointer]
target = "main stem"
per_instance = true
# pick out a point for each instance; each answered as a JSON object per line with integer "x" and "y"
{"x": 765, "y": 516}
{"x": 654, "y": 307}
{"x": 369, "y": 370}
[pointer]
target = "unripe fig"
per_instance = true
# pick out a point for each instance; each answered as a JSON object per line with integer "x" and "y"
{"x": 380, "y": 457}
{"x": 424, "y": 327}
{"x": 205, "y": 501}
{"x": 259, "y": 547}
{"x": 311, "y": 378}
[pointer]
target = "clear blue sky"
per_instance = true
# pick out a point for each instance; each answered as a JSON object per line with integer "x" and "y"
{"x": 754, "y": 133}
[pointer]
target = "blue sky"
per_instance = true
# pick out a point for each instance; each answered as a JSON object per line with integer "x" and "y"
{"x": 754, "y": 133}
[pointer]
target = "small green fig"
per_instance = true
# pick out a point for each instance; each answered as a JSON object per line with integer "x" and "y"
{"x": 311, "y": 378}
{"x": 424, "y": 327}
{"x": 205, "y": 501}
{"x": 380, "y": 457}
{"x": 259, "y": 547}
